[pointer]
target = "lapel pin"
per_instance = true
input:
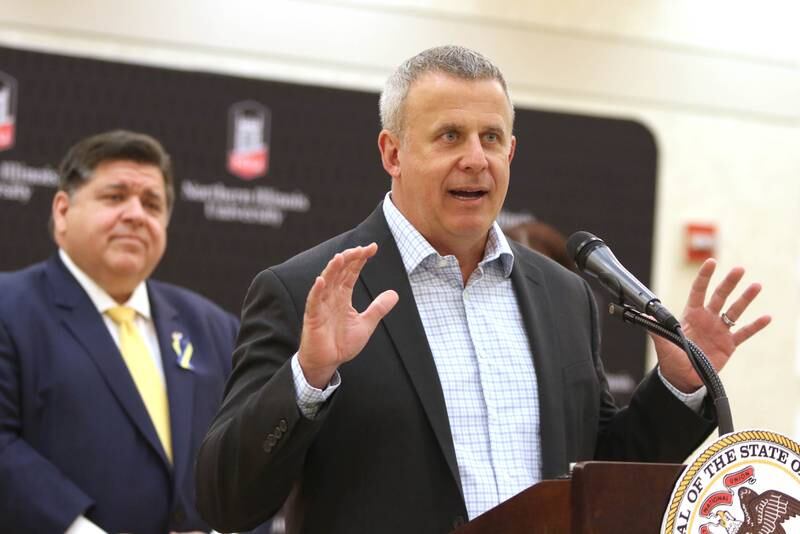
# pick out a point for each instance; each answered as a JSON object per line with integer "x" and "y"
{"x": 183, "y": 350}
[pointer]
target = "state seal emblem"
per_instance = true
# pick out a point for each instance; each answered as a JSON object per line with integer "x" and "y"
{"x": 746, "y": 482}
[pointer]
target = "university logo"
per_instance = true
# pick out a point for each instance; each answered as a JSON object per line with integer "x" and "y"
{"x": 8, "y": 110}
{"x": 744, "y": 483}
{"x": 249, "y": 129}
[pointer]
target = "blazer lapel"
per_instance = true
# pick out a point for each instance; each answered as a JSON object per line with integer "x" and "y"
{"x": 179, "y": 375}
{"x": 80, "y": 317}
{"x": 385, "y": 271}
{"x": 534, "y": 303}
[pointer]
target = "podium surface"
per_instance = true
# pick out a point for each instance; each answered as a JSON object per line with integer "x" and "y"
{"x": 599, "y": 498}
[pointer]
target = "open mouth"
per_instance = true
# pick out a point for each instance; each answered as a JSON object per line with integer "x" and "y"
{"x": 468, "y": 194}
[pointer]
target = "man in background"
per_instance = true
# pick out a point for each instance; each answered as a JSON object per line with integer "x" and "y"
{"x": 418, "y": 370}
{"x": 108, "y": 379}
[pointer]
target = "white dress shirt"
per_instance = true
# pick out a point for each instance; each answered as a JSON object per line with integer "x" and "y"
{"x": 138, "y": 300}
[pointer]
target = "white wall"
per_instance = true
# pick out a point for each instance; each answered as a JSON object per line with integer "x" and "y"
{"x": 717, "y": 81}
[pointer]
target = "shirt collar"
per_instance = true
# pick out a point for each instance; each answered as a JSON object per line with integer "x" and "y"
{"x": 414, "y": 248}
{"x": 138, "y": 300}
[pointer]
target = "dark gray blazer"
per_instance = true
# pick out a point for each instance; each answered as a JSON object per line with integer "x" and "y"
{"x": 379, "y": 457}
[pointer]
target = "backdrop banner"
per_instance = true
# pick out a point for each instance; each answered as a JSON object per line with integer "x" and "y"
{"x": 265, "y": 170}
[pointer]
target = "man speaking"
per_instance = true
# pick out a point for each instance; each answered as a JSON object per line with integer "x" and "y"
{"x": 416, "y": 371}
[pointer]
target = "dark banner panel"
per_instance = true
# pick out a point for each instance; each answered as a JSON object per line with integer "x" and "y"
{"x": 265, "y": 170}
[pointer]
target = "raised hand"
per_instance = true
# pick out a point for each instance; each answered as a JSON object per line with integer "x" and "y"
{"x": 707, "y": 326}
{"x": 333, "y": 331}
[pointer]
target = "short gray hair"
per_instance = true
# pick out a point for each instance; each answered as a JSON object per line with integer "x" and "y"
{"x": 456, "y": 61}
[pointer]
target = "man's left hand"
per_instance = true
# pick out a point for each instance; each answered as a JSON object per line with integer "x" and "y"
{"x": 706, "y": 325}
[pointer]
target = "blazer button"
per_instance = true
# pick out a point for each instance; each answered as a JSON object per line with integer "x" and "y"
{"x": 458, "y": 521}
{"x": 283, "y": 425}
{"x": 278, "y": 432}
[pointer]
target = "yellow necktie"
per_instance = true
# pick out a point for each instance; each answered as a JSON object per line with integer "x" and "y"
{"x": 144, "y": 372}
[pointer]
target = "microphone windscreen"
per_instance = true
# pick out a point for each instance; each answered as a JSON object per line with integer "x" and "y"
{"x": 580, "y": 244}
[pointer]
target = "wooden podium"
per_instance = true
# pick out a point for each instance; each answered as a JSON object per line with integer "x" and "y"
{"x": 599, "y": 498}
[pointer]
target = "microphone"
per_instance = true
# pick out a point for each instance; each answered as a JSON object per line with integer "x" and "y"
{"x": 593, "y": 257}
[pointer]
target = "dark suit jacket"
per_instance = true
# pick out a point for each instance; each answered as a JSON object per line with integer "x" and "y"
{"x": 75, "y": 437}
{"x": 379, "y": 457}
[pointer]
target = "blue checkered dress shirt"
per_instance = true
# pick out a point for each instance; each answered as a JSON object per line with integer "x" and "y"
{"x": 484, "y": 361}
{"x": 483, "y": 358}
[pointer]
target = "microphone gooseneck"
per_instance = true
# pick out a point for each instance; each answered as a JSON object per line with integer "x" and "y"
{"x": 697, "y": 358}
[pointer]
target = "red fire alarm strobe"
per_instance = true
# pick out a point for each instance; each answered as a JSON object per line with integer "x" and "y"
{"x": 701, "y": 241}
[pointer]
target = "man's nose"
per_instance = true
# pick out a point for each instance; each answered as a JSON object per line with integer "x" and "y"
{"x": 134, "y": 210}
{"x": 474, "y": 157}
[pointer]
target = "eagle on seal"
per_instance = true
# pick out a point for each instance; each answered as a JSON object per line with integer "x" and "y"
{"x": 765, "y": 513}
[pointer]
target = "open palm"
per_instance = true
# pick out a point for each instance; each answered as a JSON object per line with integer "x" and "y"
{"x": 702, "y": 323}
{"x": 334, "y": 332}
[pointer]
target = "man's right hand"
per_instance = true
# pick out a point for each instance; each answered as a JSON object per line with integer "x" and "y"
{"x": 333, "y": 331}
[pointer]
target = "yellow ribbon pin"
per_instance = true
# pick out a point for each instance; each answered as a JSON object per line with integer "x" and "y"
{"x": 184, "y": 353}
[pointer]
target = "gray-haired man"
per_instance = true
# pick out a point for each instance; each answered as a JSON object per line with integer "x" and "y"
{"x": 483, "y": 379}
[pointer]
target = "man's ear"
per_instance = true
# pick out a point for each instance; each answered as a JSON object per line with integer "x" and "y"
{"x": 513, "y": 149}
{"x": 389, "y": 147}
{"x": 59, "y": 212}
